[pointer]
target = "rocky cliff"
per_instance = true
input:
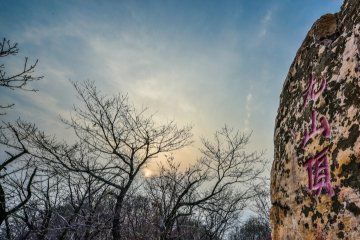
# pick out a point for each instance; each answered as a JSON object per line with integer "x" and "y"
{"x": 315, "y": 177}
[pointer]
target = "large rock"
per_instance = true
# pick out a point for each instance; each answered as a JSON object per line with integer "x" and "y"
{"x": 315, "y": 177}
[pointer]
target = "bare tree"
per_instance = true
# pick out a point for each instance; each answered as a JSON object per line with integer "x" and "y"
{"x": 114, "y": 143}
{"x": 216, "y": 187}
{"x": 10, "y": 138}
{"x": 37, "y": 214}
{"x": 220, "y": 216}
{"x": 19, "y": 80}
{"x": 257, "y": 226}
{"x": 141, "y": 219}
{"x": 138, "y": 218}
{"x": 86, "y": 200}
{"x": 262, "y": 203}
{"x": 252, "y": 229}
{"x": 63, "y": 206}
{"x": 13, "y": 141}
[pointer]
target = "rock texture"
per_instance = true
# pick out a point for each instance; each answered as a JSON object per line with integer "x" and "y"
{"x": 330, "y": 56}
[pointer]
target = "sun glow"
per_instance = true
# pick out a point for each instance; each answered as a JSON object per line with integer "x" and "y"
{"x": 147, "y": 173}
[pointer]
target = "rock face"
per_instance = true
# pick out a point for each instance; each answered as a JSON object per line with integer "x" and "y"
{"x": 315, "y": 177}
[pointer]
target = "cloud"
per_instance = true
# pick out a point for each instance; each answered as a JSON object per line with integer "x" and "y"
{"x": 192, "y": 73}
{"x": 248, "y": 111}
{"x": 179, "y": 77}
{"x": 265, "y": 22}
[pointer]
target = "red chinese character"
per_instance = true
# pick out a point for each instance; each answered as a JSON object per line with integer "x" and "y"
{"x": 310, "y": 93}
{"x": 319, "y": 174}
{"x": 324, "y": 129}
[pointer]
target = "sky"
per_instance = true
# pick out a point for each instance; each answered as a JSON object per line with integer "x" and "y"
{"x": 204, "y": 63}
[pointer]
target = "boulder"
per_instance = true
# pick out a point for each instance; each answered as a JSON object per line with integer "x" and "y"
{"x": 315, "y": 176}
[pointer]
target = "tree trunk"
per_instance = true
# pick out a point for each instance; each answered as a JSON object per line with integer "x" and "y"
{"x": 166, "y": 232}
{"x": 116, "y": 226}
{"x": 2, "y": 206}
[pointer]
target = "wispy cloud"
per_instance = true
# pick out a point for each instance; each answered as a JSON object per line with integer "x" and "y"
{"x": 248, "y": 111}
{"x": 265, "y": 22}
{"x": 193, "y": 66}
{"x": 176, "y": 77}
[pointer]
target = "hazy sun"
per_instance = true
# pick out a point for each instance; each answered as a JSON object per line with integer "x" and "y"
{"x": 147, "y": 173}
